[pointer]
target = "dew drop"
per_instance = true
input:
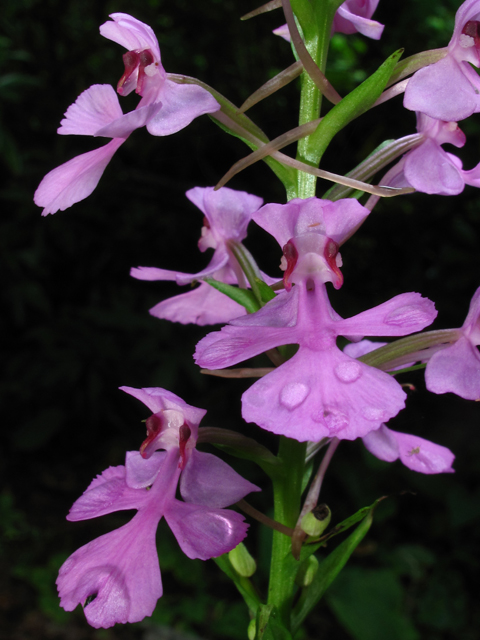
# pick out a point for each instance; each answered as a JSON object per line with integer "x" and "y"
{"x": 374, "y": 414}
{"x": 293, "y": 394}
{"x": 348, "y": 371}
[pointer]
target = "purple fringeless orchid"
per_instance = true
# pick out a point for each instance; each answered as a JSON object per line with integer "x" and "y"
{"x": 117, "y": 576}
{"x": 449, "y": 90}
{"x": 456, "y": 368}
{"x": 165, "y": 108}
{"x": 227, "y": 214}
{"x": 320, "y": 392}
{"x": 351, "y": 17}
{"x": 414, "y": 452}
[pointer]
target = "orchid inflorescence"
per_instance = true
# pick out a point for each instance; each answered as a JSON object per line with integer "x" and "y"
{"x": 315, "y": 394}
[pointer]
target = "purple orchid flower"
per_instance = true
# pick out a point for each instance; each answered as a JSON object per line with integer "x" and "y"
{"x": 430, "y": 169}
{"x": 456, "y": 368}
{"x": 352, "y": 16}
{"x": 227, "y": 214}
{"x": 320, "y": 392}
{"x": 414, "y": 452}
{"x": 449, "y": 90}
{"x": 117, "y": 576}
{"x": 165, "y": 108}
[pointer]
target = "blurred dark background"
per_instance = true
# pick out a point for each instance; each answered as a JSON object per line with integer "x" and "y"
{"x": 75, "y": 326}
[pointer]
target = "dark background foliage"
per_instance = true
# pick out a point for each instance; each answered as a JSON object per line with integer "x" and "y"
{"x": 75, "y": 326}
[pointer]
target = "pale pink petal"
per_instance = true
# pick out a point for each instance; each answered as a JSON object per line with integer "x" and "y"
{"x": 444, "y": 91}
{"x": 157, "y": 399}
{"x": 283, "y": 32}
{"x": 428, "y": 169}
{"x": 472, "y": 177}
{"x": 203, "y": 305}
{"x": 141, "y": 472}
{"x": 347, "y": 21}
{"x": 75, "y": 180}
{"x": 281, "y": 311}
{"x": 130, "y": 33}
{"x": 181, "y": 103}
{"x": 403, "y": 314}
{"x": 95, "y": 108}
{"x": 455, "y": 369}
{"x": 347, "y": 401}
{"x": 107, "y": 493}
{"x": 414, "y": 452}
{"x": 205, "y": 533}
{"x": 123, "y": 126}
{"x": 472, "y": 321}
{"x": 209, "y": 481}
{"x": 120, "y": 569}
{"x": 361, "y": 348}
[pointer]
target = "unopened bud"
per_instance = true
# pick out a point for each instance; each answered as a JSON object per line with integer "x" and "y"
{"x": 316, "y": 521}
{"x": 307, "y": 572}
{"x": 242, "y": 561}
{"x": 252, "y": 629}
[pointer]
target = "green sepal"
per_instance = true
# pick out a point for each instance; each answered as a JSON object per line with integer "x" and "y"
{"x": 268, "y": 625}
{"x": 245, "y": 297}
{"x": 244, "y": 586}
{"x": 328, "y": 570}
{"x": 352, "y": 105}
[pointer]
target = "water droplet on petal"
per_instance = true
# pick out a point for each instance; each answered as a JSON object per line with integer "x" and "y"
{"x": 335, "y": 420}
{"x": 293, "y": 394}
{"x": 374, "y": 414}
{"x": 348, "y": 371}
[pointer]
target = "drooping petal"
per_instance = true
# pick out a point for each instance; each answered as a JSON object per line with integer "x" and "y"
{"x": 107, "y": 493}
{"x": 348, "y": 400}
{"x": 455, "y": 369}
{"x": 130, "y": 33}
{"x": 75, "y": 180}
{"x": 120, "y": 570}
{"x": 414, "y": 452}
{"x": 205, "y": 533}
{"x": 355, "y": 15}
{"x": 446, "y": 90}
{"x": 211, "y": 482}
{"x": 95, "y": 108}
{"x": 203, "y": 305}
{"x": 181, "y": 103}
{"x": 428, "y": 168}
{"x": 403, "y": 314}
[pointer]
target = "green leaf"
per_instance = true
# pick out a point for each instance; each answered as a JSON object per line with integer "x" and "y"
{"x": 269, "y": 626}
{"x": 245, "y": 297}
{"x": 352, "y": 105}
{"x": 328, "y": 570}
{"x": 244, "y": 586}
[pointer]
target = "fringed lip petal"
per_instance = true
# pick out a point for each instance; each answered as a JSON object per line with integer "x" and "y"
{"x": 95, "y": 108}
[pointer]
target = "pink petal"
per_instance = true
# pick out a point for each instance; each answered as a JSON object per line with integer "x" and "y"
{"x": 348, "y": 21}
{"x": 141, "y": 472}
{"x": 157, "y": 399}
{"x": 205, "y": 533}
{"x": 121, "y": 569}
{"x": 130, "y": 33}
{"x": 281, "y": 311}
{"x": 472, "y": 321}
{"x": 75, "y": 180}
{"x": 123, "y": 126}
{"x": 403, "y": 314}
{"x": 203, "y": 305}
{"x": 429, "y": 169}
{"x": 444, "y": 91}
{"x": 347, "y": 401}
{"x": 209, "y": 481}
{"x": 95, "y": 108}
{"x": 415, "y": 453}
{"x": 107, "y": 493}
{"x": 358, "y": 349}
{"x": 455, "y": 369}
{"x": 181, "y": 103}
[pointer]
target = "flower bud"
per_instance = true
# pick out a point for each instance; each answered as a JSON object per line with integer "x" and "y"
{"x": 307, "y": 572}
{"x": 242, "y": 561}
{"x": 252, "y": 628}
{"x": 316, "y": 521}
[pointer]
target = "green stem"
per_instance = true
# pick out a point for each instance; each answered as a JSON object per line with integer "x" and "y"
{"x": 287, "y": 493}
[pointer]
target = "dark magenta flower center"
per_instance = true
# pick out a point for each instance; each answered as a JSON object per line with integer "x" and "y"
{"x": 134, "y": 60}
